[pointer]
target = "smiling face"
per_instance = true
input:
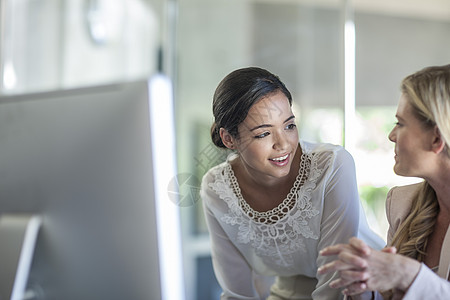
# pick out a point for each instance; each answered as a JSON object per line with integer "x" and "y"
{"x": 267, "y": 139}
{"x": 412, "y": 142}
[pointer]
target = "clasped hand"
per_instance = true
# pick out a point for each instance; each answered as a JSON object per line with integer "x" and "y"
{"x": 362, "y": 268}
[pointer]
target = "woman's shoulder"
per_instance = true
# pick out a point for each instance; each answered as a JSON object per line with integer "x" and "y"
{"x": 218, "y": 177}
{"x": 211, "y": 175}
{"x": 399, "y": 201}
{"x": 402, "y": 195}
{"x": 216, "y": 189}
{"x": 326, "y": 152}
{"x": 329, "y": 148}
{"x": 409, "y": 188}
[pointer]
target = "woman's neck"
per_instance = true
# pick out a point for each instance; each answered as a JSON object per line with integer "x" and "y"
{"x": 440, "y": 182}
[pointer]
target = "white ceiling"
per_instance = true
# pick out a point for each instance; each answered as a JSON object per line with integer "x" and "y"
{"x": 429, "y": 9}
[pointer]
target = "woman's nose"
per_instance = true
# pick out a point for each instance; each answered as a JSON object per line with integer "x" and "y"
{"x": 281, "y": 142}
{"x": 391, "y": 135}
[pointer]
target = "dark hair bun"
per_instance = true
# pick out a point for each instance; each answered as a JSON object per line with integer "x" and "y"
{"x": 215, "y": 136}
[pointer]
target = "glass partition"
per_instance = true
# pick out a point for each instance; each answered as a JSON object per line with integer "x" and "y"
{"x": 304, "y": 43}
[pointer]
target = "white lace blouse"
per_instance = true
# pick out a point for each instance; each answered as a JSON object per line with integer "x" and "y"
{"x": 321, "y": 209}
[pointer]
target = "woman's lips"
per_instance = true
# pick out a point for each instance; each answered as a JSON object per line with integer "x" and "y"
{"x": 281, "y": 160}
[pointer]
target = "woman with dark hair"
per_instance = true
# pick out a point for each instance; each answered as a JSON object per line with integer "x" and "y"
{"x": 276, "y": 200}
{"x": 418, "y": 214}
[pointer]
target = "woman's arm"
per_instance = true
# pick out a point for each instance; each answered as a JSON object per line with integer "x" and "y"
{"x": 231, "y": 269}
{"x": 340, "y": 218}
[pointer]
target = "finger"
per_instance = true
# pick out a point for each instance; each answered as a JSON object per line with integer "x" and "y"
{"x": 334, "y": 266}
{"x": 353, "y": 276}
{"x": 352, "y": 259}
{"x": 360, "y": 245}
{"x": 392, "y": 250}
{"x": 338, "y": 283}
{"x": 341, "y": 282}
{"x": 332, "y": 250}
{"x": 355, "y": 288}
{"x": 331, "y": 267}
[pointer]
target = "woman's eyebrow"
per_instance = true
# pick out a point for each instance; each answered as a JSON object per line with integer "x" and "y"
{"x": 290, "y": 118}
{"x": 269, "y": 125}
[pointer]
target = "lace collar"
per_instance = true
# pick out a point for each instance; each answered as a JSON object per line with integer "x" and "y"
{"x": 278, "y": 233}
{"x": 274, "y": 215}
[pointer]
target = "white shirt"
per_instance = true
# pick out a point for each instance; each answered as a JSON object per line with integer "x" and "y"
{"x": 427, "y": 285}
{"x": 324, "y": 211}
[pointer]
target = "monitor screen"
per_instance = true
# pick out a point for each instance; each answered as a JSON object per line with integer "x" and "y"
{"x": 84, "y": 161}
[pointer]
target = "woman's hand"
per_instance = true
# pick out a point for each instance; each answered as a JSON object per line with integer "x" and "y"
{"x": 362, "y": 268}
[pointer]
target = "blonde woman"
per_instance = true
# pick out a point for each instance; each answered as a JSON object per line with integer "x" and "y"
{"x": 418, "y": 214}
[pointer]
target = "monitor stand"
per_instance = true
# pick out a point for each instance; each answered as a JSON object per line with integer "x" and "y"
{"x": 18, "y": 235}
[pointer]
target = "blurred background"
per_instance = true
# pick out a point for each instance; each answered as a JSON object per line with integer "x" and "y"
{"x": 342, "y": 61}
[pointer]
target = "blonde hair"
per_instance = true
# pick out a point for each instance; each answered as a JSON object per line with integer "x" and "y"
{"x": 411, "y": 238}
{"x": 428, "y": 91}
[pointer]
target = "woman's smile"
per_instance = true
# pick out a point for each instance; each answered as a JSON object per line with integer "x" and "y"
{"x": 280, "y": 161}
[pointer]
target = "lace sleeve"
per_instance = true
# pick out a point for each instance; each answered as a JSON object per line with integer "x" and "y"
{"x": 340, "y": 217}
{"x": 231, "y": 269}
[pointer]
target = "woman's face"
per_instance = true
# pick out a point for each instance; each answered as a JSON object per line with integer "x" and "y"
{"x": 412, "y": 142}
{"x": 268, "y": 137}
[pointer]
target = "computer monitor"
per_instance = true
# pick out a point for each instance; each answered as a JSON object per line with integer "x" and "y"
{"x": 93, "y": 165}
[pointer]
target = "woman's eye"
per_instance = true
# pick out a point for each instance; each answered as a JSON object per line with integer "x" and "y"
{"x": 262, "y": 135}
{"x": 291, "y": 126}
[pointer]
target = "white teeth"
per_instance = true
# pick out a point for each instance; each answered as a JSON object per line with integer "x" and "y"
{"x": 281, "y": 158}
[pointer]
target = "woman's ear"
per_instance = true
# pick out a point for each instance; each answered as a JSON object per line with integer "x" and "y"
{"x": 438, "y": 144}
{"x": 227, "y": 138}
